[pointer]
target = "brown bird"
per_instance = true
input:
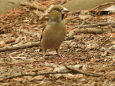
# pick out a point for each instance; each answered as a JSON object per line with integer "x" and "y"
{"x": 55, "y": 31}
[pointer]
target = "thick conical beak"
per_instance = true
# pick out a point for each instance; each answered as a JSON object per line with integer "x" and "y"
{"x": 65, "y": 10}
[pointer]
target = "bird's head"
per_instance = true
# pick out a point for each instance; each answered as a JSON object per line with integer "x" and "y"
{"x": 56, "y": 12}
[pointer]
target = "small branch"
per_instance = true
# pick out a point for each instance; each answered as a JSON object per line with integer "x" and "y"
{"x": 9, "y": 41}
{"x": 82, "y": 72}
{"x": 37, "y": 74}
{"x": 103, "y": 5}
{"x": 34, "y": 5}
{"x": 27, "y": 45}
{"x": 89, "y": 29}
{"x": 69, "y": 70}
{"x": 3, "y": 28}
{"x": 71, "y": 34}
{"x": 94, "y": 25}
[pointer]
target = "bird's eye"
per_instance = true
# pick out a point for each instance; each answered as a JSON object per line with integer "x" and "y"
{"x": 57, "y": 9}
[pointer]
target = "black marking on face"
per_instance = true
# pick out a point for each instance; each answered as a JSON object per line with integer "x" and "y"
{"x": 59, "y": 10}
{"x": 62, "y": 17}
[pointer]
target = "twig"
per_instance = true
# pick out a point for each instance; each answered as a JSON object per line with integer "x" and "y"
{"x": 88, "y": 29}
{"x": 27, "y": 45}
{"x": 69, "y": 70}
{"x": 82, "y": 72}
{"x": 103, "y": 5}
{"x": 36, "y": 74}
{"x": 71, "y": 34}
{"x": 94, "y": 25}
{"x": 2, "y": 29}
{"x": 9, "y": 41}
{"x": 34, "y": 5}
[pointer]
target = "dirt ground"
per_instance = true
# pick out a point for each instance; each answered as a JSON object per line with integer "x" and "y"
{"x": 89, "y": 52}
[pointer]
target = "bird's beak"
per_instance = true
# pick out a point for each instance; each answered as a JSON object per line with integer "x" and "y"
{"x": 65, "y": 10}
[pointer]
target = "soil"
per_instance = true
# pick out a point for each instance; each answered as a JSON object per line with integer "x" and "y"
{"x": 90, "y": 52}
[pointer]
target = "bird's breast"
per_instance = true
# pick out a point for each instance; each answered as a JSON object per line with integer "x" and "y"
{"x": 57, "y": 33}
{"x": 53, "y": 36}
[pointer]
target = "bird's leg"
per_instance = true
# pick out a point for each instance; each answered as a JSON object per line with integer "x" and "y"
{"x": 57, "y": 51}
{"x": 44, "y": 53}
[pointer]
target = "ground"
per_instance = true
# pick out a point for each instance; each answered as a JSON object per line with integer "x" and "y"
{"x": 90, "y": 52}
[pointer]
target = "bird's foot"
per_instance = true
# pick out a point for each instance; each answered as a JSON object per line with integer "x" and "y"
{"x": 59, "y": 55}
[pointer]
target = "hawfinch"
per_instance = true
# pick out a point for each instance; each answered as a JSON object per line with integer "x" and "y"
{"x": 55, "y": 31}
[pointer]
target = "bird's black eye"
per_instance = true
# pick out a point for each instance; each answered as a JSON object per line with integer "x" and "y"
{"x": 57, "y": 9}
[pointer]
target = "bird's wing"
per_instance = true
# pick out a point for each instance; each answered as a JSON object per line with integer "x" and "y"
{"x": 41, "y": 37}
{"x": 42, "y": 34}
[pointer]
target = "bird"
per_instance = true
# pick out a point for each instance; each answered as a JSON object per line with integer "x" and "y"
{"x": 55, "y": 31}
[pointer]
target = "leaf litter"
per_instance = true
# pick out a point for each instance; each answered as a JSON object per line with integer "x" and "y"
{"x": 90, "y": 52}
